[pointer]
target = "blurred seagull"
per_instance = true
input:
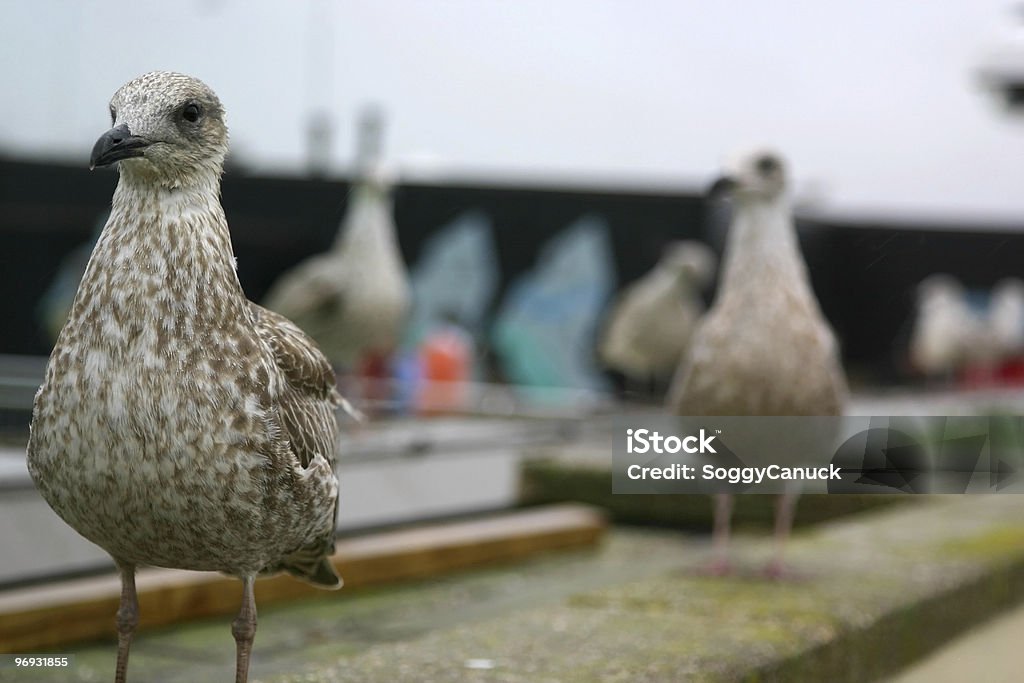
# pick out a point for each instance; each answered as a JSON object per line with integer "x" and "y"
{"x": 353, "y": 300}
{"x": 945, "y": 329}
{"x": 180, "y": 425}
{"x": 764, "y": 347}
{"x": 1006, "y": 318}
{"x": 652, "y": 320}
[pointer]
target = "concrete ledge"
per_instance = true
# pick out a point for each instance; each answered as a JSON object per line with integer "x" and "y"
{"x": 54, "y": 615}
{"x": 558, "y": 480}
{"x": 869, "y": 595}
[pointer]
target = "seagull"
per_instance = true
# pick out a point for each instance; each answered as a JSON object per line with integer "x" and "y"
{"x": 1006, "y": 317}
{"x": 353, "y": 299}
{"x": 651, "y": 322}
{"x": 764, "y": 347}
{"x": 947, "y": 334}
{"x": 180, "y": 425}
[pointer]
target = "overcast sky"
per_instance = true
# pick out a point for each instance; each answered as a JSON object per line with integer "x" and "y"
{"x": 874, "y": 102}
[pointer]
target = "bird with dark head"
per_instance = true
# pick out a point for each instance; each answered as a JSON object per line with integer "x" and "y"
{"x": 179, "y": 424}
{"x": 763, "y": 348}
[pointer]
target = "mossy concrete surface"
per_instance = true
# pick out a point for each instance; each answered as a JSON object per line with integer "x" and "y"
{"x": 867, "y": 594}
{"x": 293, "y": 637}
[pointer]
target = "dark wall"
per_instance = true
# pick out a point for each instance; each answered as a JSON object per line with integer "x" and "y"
{"x": 864, "y": 273}
{"x": 867, "y": 276}
{"x": 46, "y": 211}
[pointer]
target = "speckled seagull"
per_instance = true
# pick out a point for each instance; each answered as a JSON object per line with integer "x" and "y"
{"x": 764, "y": 347}
{"x": 179, "y": 424}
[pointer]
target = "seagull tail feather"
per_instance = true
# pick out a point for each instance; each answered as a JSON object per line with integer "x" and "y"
{"x": 309, "y": 565}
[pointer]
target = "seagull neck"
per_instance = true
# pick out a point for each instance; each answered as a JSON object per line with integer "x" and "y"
{"x": 175, "y": 239}
{"x": 762, "y": 248}
{"x": 172, "y": 213}
{"x": 366, "y": 220}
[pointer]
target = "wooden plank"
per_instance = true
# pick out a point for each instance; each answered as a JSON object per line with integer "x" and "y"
{"x": 53, "y": 615}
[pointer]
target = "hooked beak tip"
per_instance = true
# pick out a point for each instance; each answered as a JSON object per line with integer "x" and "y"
{"x": 116, "y": 144}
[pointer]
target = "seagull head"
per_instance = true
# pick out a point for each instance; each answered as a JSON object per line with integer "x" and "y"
{"x": 755, "y": 175}
{"x": 938, "y": 289}
{"x": 167, "y": 128}
{"x": 691, "y": 260}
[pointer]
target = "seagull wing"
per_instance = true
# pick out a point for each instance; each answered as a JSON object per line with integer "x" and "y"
{"x": 306, "y": 407}
{"x": 308, "y": 403}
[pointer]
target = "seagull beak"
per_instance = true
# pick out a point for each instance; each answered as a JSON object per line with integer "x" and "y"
{"x": 116, "y": 144}
{"x": 722, "y": 187}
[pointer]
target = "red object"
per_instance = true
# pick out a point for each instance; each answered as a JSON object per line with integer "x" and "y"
{"x": 1012, "y": 372}
{"x": 374, "y": 366}
{"x": 445, "y": 358}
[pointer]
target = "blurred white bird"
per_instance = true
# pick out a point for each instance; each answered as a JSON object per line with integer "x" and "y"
{"x": 947, "y": 333}
{"x": 652, "y": 320}
{"x": 1006, "y": 318}
{"x": 354, "y": 298}
{"x": 764, "y": 347}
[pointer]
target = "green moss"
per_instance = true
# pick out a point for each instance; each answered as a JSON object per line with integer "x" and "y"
{"x": 1002, "y": 542}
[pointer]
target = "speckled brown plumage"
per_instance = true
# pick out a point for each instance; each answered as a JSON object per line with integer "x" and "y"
{"x": 180, "y": 425}
{"x": 764, "y": 347}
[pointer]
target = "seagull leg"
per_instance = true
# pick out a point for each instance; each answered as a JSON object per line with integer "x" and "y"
{"x": 127, "y": 618}
{"x": 785, "y": 507}
{"x": 243, "y": 628}
{"x": 722, "y": 516}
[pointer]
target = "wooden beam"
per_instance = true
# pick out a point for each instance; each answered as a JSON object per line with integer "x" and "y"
{"x": 54, "y": 615}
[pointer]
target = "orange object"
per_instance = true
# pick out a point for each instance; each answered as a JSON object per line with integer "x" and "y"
{"x": 445, "y": 358}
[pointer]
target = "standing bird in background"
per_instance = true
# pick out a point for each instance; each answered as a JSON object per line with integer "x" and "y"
{"x": 179, "y": 424}
{"x": 651, "y": 322}
{"x": 947, "y": 333}
{"x": 764, "y": 347}
{"x": 966, "y": 337}
{"x": 1006, "y": 318}
{"x": 354, "y": 299}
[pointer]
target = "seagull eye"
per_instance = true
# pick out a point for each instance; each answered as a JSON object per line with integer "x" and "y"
{"x": 191, "y": 112}
{"x": 766, "y": 165}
